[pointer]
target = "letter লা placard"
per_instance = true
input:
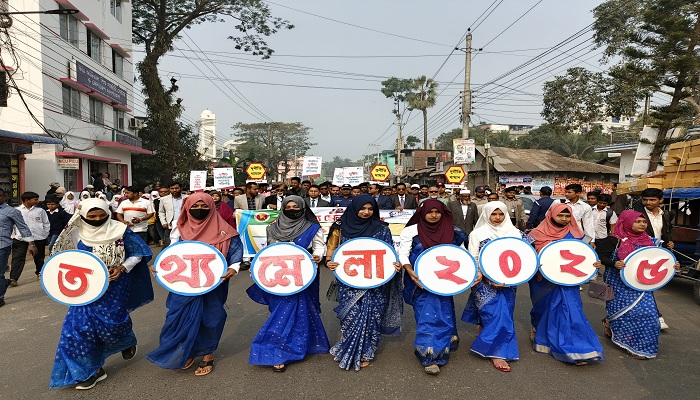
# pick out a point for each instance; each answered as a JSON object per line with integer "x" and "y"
{"x": 648, "y": 268}
{"x": 508, "y": 261}
{"x": 74, "y": 277}
{"x": 365, "y": 263}
{"x": 190, "y": 268}
{"x": 283, "y": 269}
{"x": 568, "y": 262}
{"x": 446, "y": 270}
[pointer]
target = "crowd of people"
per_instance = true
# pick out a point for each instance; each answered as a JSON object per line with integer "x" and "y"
{"x": 118, "y": 224}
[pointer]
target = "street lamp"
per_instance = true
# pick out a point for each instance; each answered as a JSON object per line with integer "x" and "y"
{"x": 6, "y": 20}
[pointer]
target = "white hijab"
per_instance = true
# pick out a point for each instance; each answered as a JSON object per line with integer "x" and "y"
{"x": 485, "y": 229}
{"x": 67, "y": 204}
{"x": 109, "y": 232}
{"x": 83, "y": 193}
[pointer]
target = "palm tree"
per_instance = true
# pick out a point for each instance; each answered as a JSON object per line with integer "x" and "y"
{"x": 422, "y": 97}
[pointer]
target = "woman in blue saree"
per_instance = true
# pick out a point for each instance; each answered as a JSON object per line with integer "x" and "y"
{"x": 294, "y": 328}
{"x": 436, "y": 324}
{"x": 93, "y": 332}
{"x": 364, "y": 314}
{"x": 559, "y": 326}
{"x": 633, "y": 319}
{"x": 491, "y": 306}
{"x": 194, "y": 324}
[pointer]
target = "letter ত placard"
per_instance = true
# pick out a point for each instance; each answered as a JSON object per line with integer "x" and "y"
{"x": 283, "y": 269}
{"x": 365, "y": 263}
{"x": 446, "y": 270}
{"x": 568, "y": 262}
{"x": 648, "y": 268}
{"x": 74, "y": 277}
{"x": 508, "y": 261}
{"x": 190, "y": 268}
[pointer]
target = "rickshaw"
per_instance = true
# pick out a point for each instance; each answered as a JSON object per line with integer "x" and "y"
{"x": 685, "y": 203}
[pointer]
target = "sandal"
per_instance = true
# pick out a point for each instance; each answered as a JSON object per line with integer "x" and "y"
{"x": 500, "y": 366}
{"x": 129, "y": 353}
{"x": 432, "y": 370}
{"x": 280, "y": 368}
{"x": 188, "y": 363}
{"x": 606, "y": 328}
{"x": 532, "y": 334}
{"x": 581, "y": 363}
{"x": 364, "y": 364}
{"x": 203, "y": 364}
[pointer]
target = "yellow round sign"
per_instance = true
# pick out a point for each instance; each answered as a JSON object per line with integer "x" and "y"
{"x": 455, "y": 174}
{"x": 380, "y": 172}
{"x": 255, "y": 170}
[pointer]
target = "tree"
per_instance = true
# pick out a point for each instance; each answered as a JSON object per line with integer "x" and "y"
{"x": 444, "y": 141}
{"x": 156, "y": 26}
{"x": 148, "y": 168}
{"x": 337, "y": 162}
{"x": 564, "y": 142}
{"x": 422, "y": 96}
{"x": 274, "y": 144}
{"x": 397, "y": 89}
{"x": 412, "y": 141}
{"x": 656, "y": 42}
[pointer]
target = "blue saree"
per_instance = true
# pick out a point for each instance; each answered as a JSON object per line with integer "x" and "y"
{"x": 632, "y": 315}
{"x": 492, "y": 308}
{"x": 294, "y": 328}
{"x": 436, "y": 326}
{"x": 194, "y": 324}
{"x": 365, "y": 314}
{"x": 93, "y": 332}
{"x": 561, "y": 327}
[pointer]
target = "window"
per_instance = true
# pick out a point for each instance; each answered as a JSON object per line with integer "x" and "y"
{"x": 94, "y": 46}
{"x": 115, "y": 8}
{"x": 69, "y": 28}
{"x": 70, "y": 179}
{"x": 118, "y": 119}
{"x": 97, "y": 112}
{"x": 615, "y": 119}
{"x": 71, "y": 102}
{"x": 117, "y": 64}
{"x": 631, "y": 120}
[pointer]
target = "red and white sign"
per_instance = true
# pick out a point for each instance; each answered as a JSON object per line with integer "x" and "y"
{"x": 198, "y": 180}
{"x": 74, "y": 277}
{"x": 190, "y": 268}
{"x": 568, "y": 262}
{"x": 283, "y": 269}
{"x": 446, "y": 270}
{"x": 508, "y": 261}
{"x": 649, "y": 268}
{"x": 365, "y": 263}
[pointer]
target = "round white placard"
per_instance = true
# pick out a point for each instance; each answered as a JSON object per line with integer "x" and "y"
{"x": 648, "y": 268}
{"x": 190, "y": 268}
{"x": 74, "y": 277}
{"x": 568, "y": 262}
{"x": 508, "y": 261}
{"x": 365, "y": 263}
{"x": 283, "y": 269}
{"x": 446, "y": 269}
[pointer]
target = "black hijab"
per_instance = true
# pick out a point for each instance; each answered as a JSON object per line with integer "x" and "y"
{"x": 353, "y": 226}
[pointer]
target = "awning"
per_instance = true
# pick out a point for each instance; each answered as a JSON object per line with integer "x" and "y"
{"x": 97, "y": 31}
{"x": 419, "y": 171}
{"x": 119, "y": 49}
{"x": 131, "y": 148}
{"x": 30, "y": 138}
{"x": 71, "y": 154}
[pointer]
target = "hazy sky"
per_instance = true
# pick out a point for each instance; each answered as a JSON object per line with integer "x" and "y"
{"x": 326, "y": 74}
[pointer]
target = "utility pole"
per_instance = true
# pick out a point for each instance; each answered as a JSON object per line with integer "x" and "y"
{"x": 487, "y": 148}
{"x": 467, "y": 94}
{"x": 378, "y": 147}
{"x": 399, "y": 142}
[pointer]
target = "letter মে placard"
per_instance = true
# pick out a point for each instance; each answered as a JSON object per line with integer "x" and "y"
{"x": 283, "y": 269}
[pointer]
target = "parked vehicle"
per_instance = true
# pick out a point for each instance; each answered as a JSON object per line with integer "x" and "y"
{"x": 685, "y": 203}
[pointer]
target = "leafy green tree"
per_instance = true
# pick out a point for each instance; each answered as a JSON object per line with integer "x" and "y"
{"x": 338, "y": 162}
{"x": 148, "y": 168}
{"x": 444, "y": 141}
{"x": 397, "y": 89}
{"x": 564, "y": 142}
{"x": 656, "y": 43}
{"x": 412, "y": 141}
{"x": 157, "y": 24}
{"x": 422, "y": 96}
{"x": 274, "y": 144}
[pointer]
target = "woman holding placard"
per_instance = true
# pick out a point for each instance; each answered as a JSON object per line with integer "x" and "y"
{"x": 491, "y": 305}
{"x": 194, "y": 324}
{"x": 294, "y": 328}
{"x": 559, "y": 326}
{"x": 436, "y": 325}
{"x": 364, "y": 313}
{"x": 633, "y": 319}
{"x": 97, "y": 330}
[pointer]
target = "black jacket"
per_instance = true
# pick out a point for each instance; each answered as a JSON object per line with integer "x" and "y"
{"x": 665, "y": 228}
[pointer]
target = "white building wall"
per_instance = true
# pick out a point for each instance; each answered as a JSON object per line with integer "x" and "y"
{"x": 207, "y": 135}
{"x": 44, "y": 58}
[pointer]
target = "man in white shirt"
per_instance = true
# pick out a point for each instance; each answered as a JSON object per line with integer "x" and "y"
{"x": 169, "y": 210}
{"x": 38, "y": 222}
{"x": 135, "y": 211}
{"x": 581, "y": 210}
{"x": 603, "y": 217}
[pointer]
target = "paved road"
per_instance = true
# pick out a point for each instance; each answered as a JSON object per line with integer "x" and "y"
{"x": 30, "y": 325}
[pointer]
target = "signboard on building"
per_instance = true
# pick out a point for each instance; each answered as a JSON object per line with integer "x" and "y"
{"x": 91, "y": 79}
{"x": 68, "y": 163}
{"x": 464, "y": 151}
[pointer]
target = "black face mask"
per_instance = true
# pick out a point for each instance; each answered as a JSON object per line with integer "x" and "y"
{"x": 199, "y": 213}
{"x": 94, "y": 222}
{"x": 293, "y": 214}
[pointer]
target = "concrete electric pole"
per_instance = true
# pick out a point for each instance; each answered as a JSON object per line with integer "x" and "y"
{"x": 467, "y": 94}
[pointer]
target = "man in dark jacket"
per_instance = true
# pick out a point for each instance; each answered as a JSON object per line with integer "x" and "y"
{"x": 464, "y": 212}
{"x": 58, "y": 219}
{"x": 539, "y": 209}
